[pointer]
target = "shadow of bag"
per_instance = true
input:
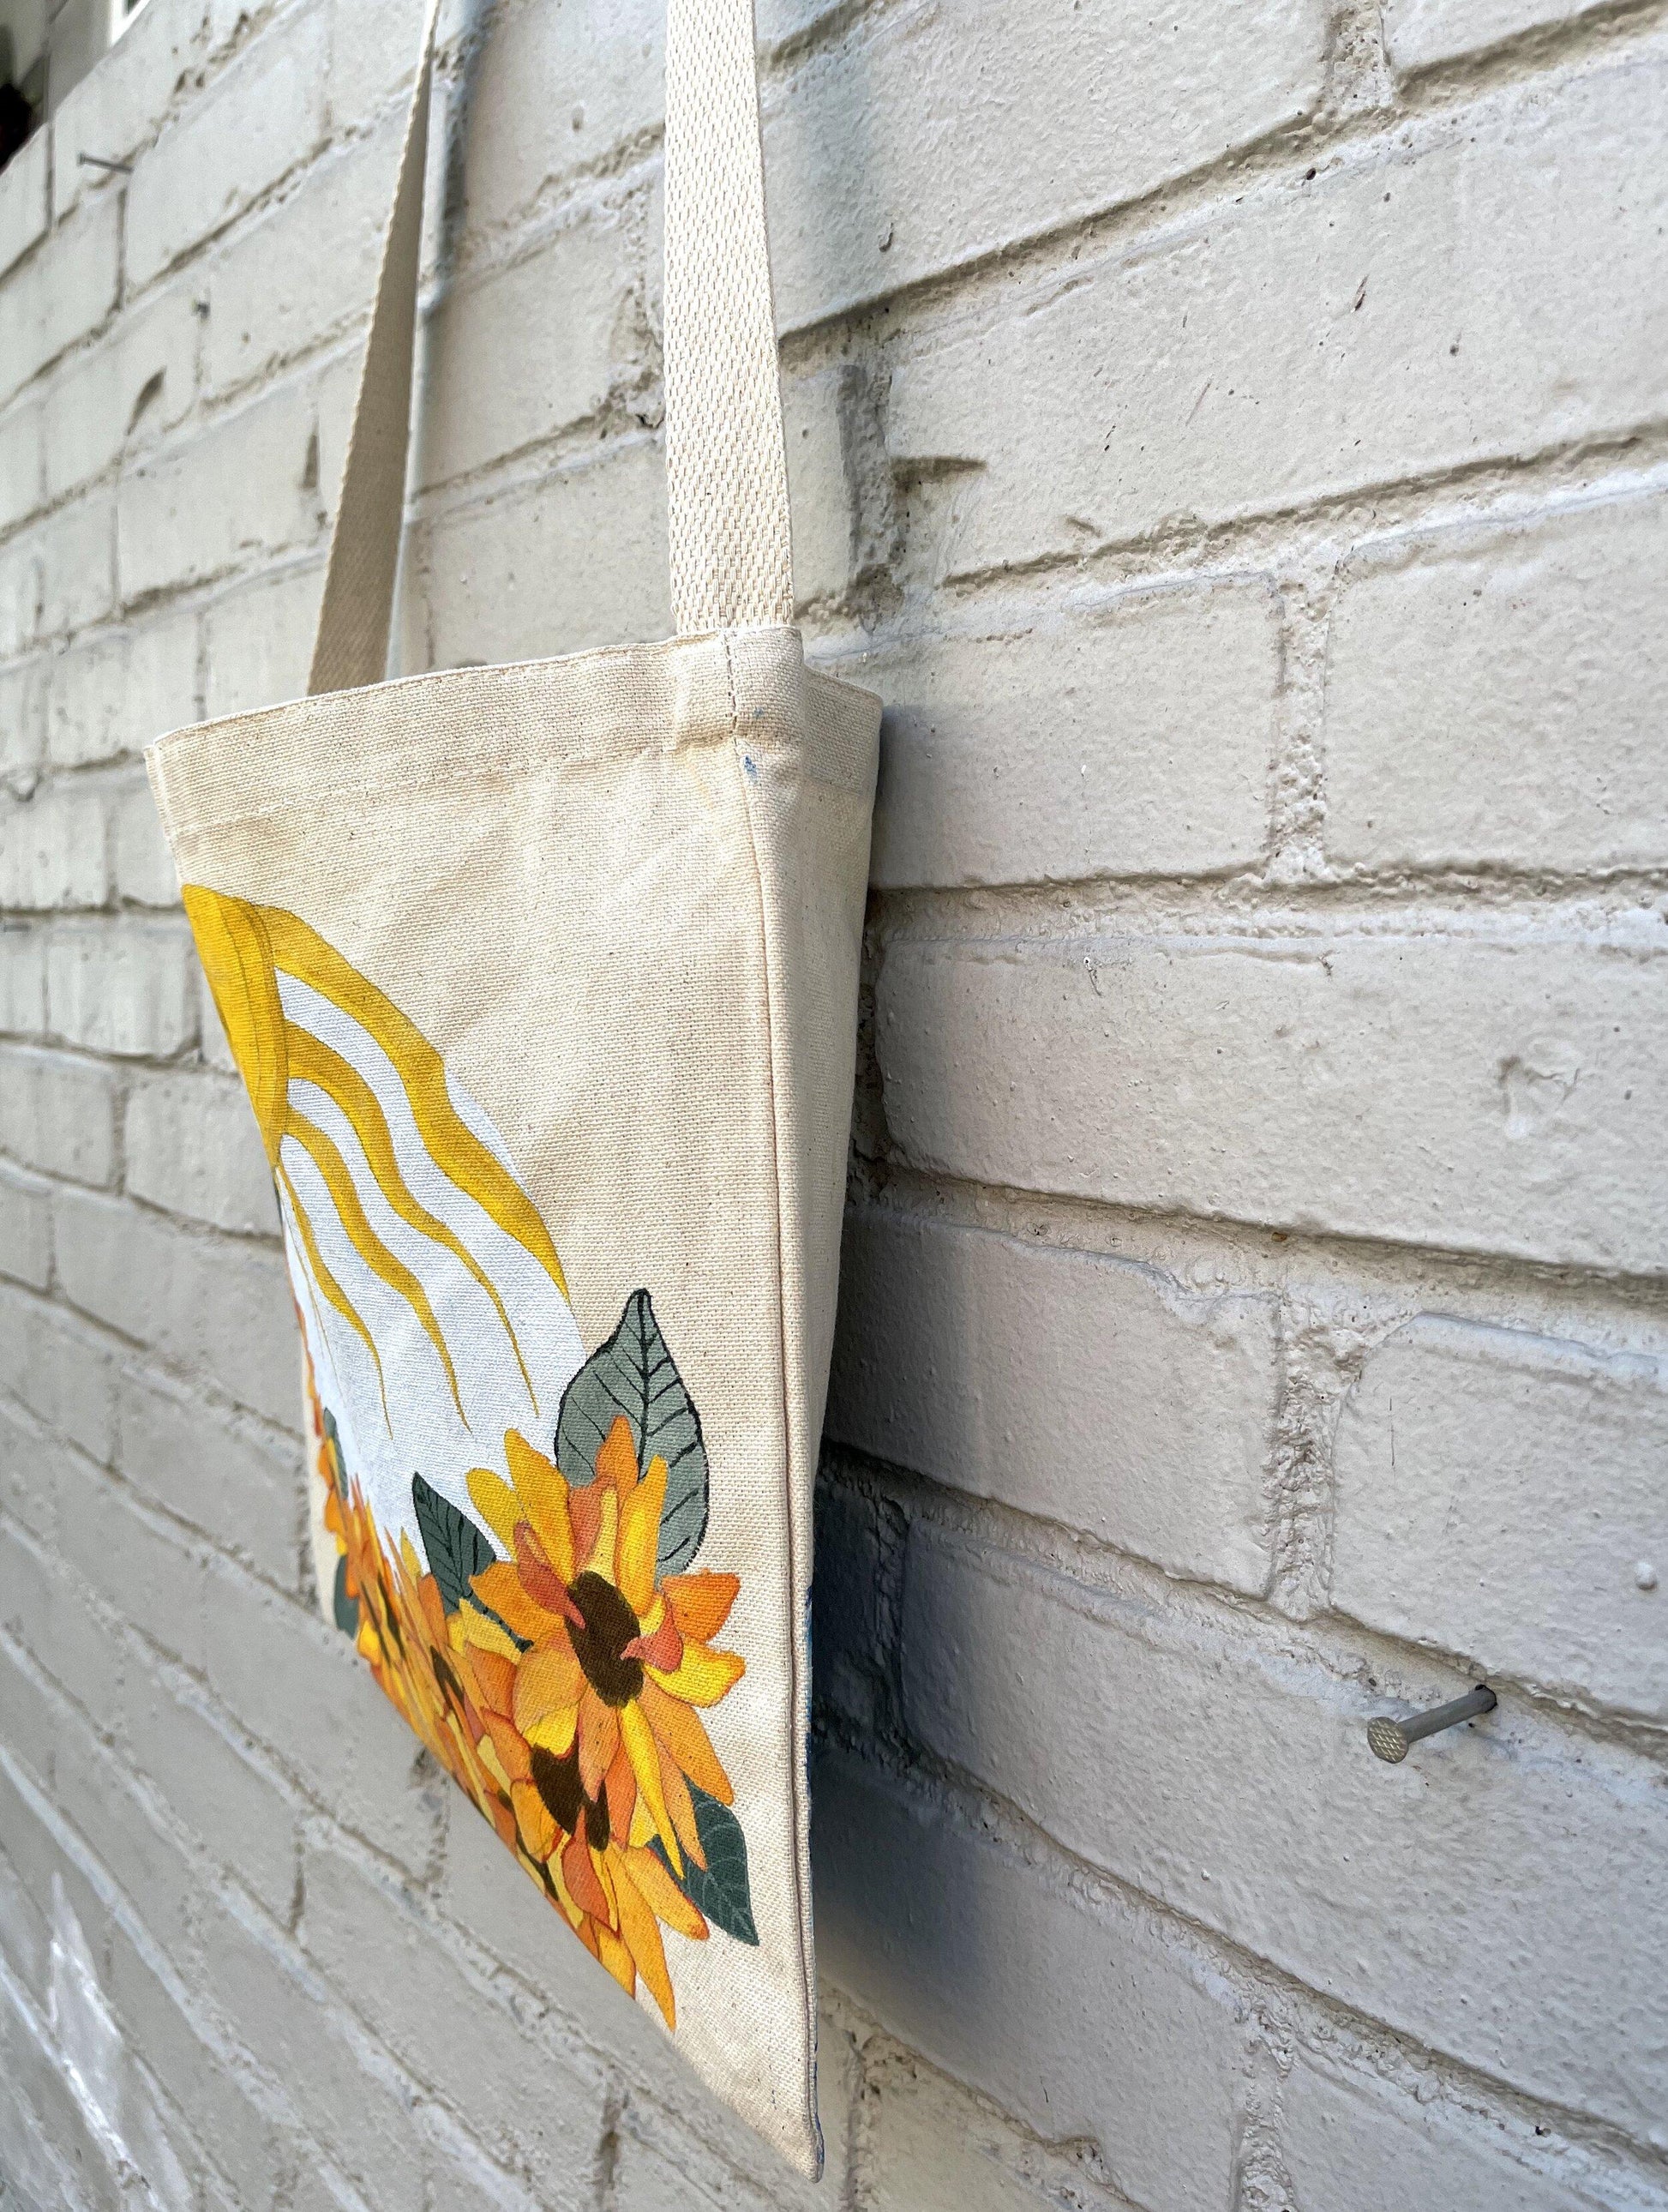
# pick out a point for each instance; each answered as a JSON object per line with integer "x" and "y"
{"x": 542, "y": 979}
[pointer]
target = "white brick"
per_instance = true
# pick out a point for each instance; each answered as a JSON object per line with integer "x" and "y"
{"x": 279, "y": 2011}
{"x": 928, "y": 2148}
{"x": 75, "y": 556}
{"x": 931, "y": 136}
{"x": 54, "y": 846}
{"x": 1494, "y": 698}
{"x": 372, "y": 53}
{"x": 1356, "y": 2142}
{"x": 258, "y": 641}
{"x": 244, "y": 486}
{"x": 553, "y": 90}
{"x": 525, "y": 351}
{"x": 127, "y": 987}
{"x": 140, "y": 866}
{"x": 23, "y": 465}
{"x": 22, "y": 715}
{"x": 828, "y": 521}
{"x": 271, "y": 293}
{"x": 26, "y": 1228}
{"x": 212, "y": 1784}
{"x": 257, "y": 121}
{"x": 116, "y": 694}
{"x": 1225, "y": 371}
{"x": 520, "y": 2094}
{"x": 1083, "y": 2020}
{"x": 1133, "y": 738}
{"x": 23, "y": 185}
{"x": 55, "y": 1365}
{"x": 1476, "y": 1095}
{"x": 142, "y": 1569}
{"x": 579, "y": 562}
{"x": 23, "y": 981}
{"x": 219, "y": 1309}
{"x": 192, "y": 1147}
{"x": 116, "y": 107}
{"x": 298, "y": 1687}
{"x": 217, "y": 1469}
{"x": 53, "y": 299}
{"x": 58, "y": 1113}
{"x": 1245, "y": 1796}
{"x": 1088, "y": 1390}
{"x": 137, "y": 381}
{"x": 1421, "y": 34}
{"x": 1497, "y": 1493}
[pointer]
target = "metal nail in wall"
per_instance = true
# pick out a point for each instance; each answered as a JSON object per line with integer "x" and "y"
{"x": 1391, "y": 1740}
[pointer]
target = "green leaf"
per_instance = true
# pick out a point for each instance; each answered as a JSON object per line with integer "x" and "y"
{"x": 634, "y": 1373}
{"x": 720, "y": 1888}
{"x": 346, "y": 1609}
{"x": 458, "y": 1551}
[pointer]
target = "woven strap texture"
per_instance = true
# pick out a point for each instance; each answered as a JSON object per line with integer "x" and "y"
{"x": 732, "y": 564}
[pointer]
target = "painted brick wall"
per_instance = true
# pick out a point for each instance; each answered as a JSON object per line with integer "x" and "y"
{"x": 1235, "y": 440}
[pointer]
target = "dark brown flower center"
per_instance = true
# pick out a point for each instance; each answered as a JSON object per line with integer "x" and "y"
{"x": 600, "y": 1645}
{"x": 556, "y": 1778}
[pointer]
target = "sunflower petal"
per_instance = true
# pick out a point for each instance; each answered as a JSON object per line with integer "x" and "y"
{"x": 639, "y": 1739}
{"x": 618, "y": 1960}
{"x": 641, "y": 1933}
{"x": 663, "y": 1895}
{"x": 495, "y": 1501}
{"x": 639, "y": 1536}
{"x": 470, "y": 1627}
{"x": 533, "y": 1816}
{"x": 700, "y": 1603}
{"x": 704, "y": 1677}
{"x": 500, "y": 1587}
{"x": 544, "y": 1499}
{"x": 616, "y": 1457}
{"x": 683, "y": 1734}
{"x": 599, "y": 1739}
{"x": 548, "y": 1680}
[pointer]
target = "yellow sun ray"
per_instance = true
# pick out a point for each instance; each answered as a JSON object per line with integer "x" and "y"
{"x": 326, "y": 1157}
{"x": 300, "y": 952}
{"x": 312, "y": 1060}
{"x": 327, "y": 1283}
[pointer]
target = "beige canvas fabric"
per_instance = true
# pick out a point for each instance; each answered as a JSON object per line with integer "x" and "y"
{"x": 543, "y": 979}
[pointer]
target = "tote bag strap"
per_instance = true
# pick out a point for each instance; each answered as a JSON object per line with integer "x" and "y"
{"x": 726, "y": 471}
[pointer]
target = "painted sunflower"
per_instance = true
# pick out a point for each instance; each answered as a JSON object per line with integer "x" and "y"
{"x": 592, "y": 1671}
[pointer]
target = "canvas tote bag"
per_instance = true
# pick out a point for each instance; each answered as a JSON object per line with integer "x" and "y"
{"x": 543, "y": 979}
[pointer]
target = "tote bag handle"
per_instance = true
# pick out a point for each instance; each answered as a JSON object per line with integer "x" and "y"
{"x": 726, "y": 471}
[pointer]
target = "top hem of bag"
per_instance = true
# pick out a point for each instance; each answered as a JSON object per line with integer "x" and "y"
{"x": 172, "y": 754}
{"x": 467, "y": 669}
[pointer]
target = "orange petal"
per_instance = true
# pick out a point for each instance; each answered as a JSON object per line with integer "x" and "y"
{"x": 510, "y": 1747}
{"x": 500, "y": 1587}
{"x": 495, "y": 1676}
{"x": 599, "y": 1739}
{"x": 700, "y": 1603}
{"x": 680, "y": 1805}
{"x": 539, "y": 1578}
{"x": 682, "y": 1733}
{"x": 616, "y": 1458}
{"x": 619, "y": 1786}
{"x": 704, "y": 1676}
{"x": 664, "y": 1649}
{"x": 639, "y": 1739}
{"x": 585, "y": 1510}
{"x": 434, "y": 1612}
{"x": 618, "y": 1960}
{"x": 641, "y": 1934}
{"x": 580, "y": 1875}
{"x": 495, "y": 1502}
{"x": 543, "y": 1496}
{"x": 640, "y": 1536}
{"x": 533, "y": 1818}
{"x": 663, "y": 1895}
{"x": 547, "y": 1678}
